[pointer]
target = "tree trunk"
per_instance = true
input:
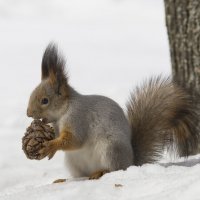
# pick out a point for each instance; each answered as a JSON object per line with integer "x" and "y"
{"x": 183, "y": 26}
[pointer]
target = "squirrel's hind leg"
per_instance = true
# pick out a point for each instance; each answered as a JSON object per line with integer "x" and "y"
{"x": 98, "y": 174}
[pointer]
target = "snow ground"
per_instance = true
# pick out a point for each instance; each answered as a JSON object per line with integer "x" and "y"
{"x": 111, "y": 45}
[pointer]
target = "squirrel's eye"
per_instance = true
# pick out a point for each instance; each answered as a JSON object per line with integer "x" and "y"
{"x": 44, "y": 101}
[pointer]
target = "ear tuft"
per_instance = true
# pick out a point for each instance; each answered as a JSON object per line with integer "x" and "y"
{"x": 53, "y": 65}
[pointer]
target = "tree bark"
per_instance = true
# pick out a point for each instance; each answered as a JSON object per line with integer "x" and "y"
{"x": 183, "y": 26}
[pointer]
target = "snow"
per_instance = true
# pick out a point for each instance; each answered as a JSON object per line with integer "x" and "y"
{"x": 110, "y": 45}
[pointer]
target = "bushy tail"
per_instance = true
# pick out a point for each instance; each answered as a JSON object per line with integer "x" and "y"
{"x": 161, "y": 115}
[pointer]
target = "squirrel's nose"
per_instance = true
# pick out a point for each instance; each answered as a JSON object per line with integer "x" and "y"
{"x": 29, "y": 113}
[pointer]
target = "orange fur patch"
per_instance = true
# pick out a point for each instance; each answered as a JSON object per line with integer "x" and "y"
{"x": 52, "y": 77}
{"x": 67, "y": 140}
{"x": 98, "y": 174}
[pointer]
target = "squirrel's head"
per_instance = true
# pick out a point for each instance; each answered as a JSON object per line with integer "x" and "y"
{"x": 49, "y": 98}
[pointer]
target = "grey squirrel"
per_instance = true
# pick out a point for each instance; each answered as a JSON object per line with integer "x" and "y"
{"x": 95, "y": 133}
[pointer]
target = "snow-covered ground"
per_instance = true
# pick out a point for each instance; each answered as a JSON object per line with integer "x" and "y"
{"x": 110, "y": 45}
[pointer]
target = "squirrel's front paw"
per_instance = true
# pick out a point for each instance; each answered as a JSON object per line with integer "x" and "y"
{"x": 49, "y": 149}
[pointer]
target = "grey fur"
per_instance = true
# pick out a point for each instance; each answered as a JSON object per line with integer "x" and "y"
{"x": 105, "y": 135}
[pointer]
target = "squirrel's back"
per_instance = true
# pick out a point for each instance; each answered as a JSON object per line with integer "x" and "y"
{"x": 98, "y": 113}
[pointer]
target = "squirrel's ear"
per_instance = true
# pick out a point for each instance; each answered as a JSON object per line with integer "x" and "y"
{"x": 53, "y": 66}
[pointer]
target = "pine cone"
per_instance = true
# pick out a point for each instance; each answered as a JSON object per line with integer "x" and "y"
{"x": 35, "y": 135}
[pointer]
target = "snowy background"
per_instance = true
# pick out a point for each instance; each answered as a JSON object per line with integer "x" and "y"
{"x": 110, "y": 45}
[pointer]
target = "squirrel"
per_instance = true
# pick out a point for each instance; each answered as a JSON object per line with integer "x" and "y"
{"x": 95, "y": 133}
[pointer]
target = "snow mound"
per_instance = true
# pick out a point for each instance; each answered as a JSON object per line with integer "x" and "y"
{"x": 147, "y": 182}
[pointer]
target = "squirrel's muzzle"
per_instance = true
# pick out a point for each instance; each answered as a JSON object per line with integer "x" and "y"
{"x": 29, "y": 113}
